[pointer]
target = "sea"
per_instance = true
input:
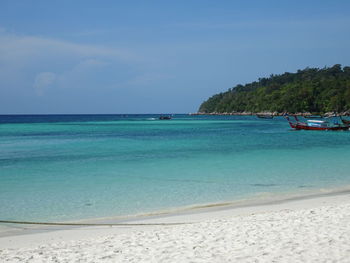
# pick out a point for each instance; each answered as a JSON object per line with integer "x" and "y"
{"x": 72, "y": 167}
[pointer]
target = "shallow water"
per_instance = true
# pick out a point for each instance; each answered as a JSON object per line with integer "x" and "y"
{"x": 65, "y": 167}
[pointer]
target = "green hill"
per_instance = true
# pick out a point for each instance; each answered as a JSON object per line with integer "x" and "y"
{"x": 309, "y": 90}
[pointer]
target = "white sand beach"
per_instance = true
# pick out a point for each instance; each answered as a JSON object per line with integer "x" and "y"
{"x": 314, "y": 229}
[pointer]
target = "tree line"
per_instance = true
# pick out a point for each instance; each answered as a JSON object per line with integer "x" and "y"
{"x": 309, "y": 90}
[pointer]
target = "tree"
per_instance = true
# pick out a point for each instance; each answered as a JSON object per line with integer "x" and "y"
{"x": 311, "y": 90}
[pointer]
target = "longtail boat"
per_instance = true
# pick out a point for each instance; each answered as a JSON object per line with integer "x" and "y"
{"x": 346, "y": 122}
{"x": 165, "y": 118}
{"x": 316, "y": 125}
{"x": 313, "y": 116}
{"x": 265, "y": 116}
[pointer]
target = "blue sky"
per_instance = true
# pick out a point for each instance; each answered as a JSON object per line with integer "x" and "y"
{"x": 156, "y": 56}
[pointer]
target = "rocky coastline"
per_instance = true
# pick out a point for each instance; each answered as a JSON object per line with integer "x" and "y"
{"x": 244, "y": 113}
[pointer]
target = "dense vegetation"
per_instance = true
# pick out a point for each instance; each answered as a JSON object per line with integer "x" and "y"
{"x": 309, "y": 90}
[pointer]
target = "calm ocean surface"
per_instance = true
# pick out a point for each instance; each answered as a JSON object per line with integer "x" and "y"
{"x": 66, "y": 167}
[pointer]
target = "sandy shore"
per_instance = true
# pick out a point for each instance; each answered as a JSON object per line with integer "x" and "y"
{"x": 312, "y": 229}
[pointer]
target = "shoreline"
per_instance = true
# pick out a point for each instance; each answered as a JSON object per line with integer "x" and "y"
{"x": 269, "y": 113}
{"x": 300, "y": 229}
{"x": 254, "y": 200}
{"x": 25, "y": 235}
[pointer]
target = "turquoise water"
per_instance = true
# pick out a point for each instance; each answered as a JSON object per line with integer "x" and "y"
{"x": 75, "y": 167}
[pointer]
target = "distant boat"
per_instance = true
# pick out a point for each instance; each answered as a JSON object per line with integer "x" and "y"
{"x": 317, "y": 125}
{"x": 165, "y": 118}
{"x": 313, "y": 116}
{"x": 265, "y": 116}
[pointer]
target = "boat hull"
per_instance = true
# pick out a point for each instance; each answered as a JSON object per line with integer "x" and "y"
{"x": 264, "y": 116}
{"x": 297, "y": 125}
{"x": 306, "y": 127}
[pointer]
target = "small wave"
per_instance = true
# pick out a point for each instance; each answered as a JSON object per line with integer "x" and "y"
{"x": 151, "y": 119}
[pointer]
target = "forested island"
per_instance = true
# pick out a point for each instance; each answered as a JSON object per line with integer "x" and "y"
{"x": 310, "y": 90}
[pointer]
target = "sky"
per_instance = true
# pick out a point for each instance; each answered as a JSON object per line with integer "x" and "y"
{"x": 119, "y": 57}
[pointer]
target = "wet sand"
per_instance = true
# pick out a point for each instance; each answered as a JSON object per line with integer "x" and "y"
{"x": 311, "y": 228}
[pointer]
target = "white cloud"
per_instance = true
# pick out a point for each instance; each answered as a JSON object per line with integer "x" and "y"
{"x": 43, "y": 81}
{"x": 12, "y": 46}
{"x": 74, "y": 64}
